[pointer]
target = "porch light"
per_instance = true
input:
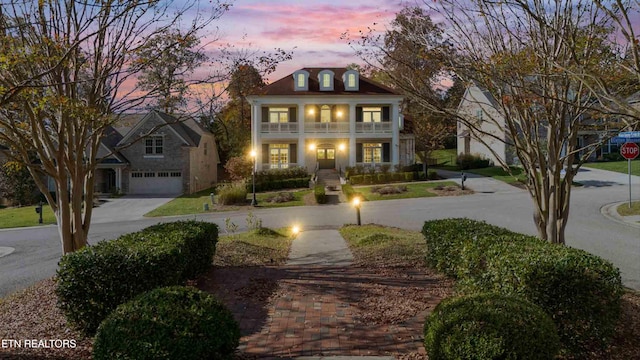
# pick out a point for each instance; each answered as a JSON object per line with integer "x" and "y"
{"x": 342, "y": 147}
{"x": 312, "y": 147}
{"x": 339, "y": 114}
{"x": 312, "y": 111}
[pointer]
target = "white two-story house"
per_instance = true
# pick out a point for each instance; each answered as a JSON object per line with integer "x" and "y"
{"x": 327, "y": 118}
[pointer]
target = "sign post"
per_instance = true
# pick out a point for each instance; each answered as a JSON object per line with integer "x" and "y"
{"x": 629, "y": 151}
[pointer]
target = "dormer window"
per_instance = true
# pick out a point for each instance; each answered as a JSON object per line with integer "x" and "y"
{"x": 301, "y": 80}
{"x": 325, "y": 78}
{"x": 351, "y": 80}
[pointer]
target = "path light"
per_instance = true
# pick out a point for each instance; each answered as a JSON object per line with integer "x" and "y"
{"x": 254, "y": 155}
{"x": 295, "y": 230}
{"x": 356, "y": 204}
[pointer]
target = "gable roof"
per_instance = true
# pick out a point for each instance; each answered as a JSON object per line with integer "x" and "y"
{"x": 188, "y": 130}
{"x": 285, "y": 86}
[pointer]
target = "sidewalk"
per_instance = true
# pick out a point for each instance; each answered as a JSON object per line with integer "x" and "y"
{"x": 313, "y": 310}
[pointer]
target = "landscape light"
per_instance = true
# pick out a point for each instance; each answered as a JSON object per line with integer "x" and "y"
{"x": 356, "y": 204}
{"x": 295, "y": 229}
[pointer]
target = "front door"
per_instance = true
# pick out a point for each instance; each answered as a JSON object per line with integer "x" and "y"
{"x": 326, "y": 158}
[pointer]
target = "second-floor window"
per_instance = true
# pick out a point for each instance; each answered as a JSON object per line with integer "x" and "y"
{"x": 325, "y": 114}
{"x": 371, "y": 114}
{"x": 278, "y": 115}
{"x": 154, "y": 145}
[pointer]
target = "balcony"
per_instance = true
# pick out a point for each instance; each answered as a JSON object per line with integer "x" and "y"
{"x": 279, "y": 128}
{"x": 326, "y": 127}
{"x": 374, "y": 127}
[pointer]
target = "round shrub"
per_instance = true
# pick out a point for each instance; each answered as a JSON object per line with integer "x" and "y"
{"x": 489, "y": 326}
{"x": 168, "y": 323}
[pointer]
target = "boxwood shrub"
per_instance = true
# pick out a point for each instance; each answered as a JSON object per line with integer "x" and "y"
{"x": 489, "y": 326}
{"x": 320, "y": 195}
{"x": 95, "y": 280}
{"x": 580, "y": 291}
{"x": 168, "y": 323}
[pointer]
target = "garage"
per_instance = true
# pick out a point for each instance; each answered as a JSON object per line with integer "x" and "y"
{"x": 150, "y": 182}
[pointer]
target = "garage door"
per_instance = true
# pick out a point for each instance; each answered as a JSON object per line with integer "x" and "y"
{"x": 164, "y": 182}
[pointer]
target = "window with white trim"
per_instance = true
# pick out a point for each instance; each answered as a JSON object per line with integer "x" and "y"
{"x": 154, "y": 145}
{"x": 278, "y": 115}
{"x": 301, "y": 80}
{"x": 325, "y": 78}
{"x": 372, "y": 152}
{"x": 351, "y": 80}
{"x": 279, "y": 156}
{"x": 325, "y": 114}
{"x": 371, "y": 114}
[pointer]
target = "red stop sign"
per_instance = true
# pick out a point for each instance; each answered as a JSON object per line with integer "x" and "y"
{"x": 629, "y": 150}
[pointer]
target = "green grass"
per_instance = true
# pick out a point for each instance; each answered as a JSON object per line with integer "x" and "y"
{"x": 415, "y": 190}
{"x": 13, "y": 217}
{"x": 445, "y": 157}
{"x": 376, "y": 245}
{"x": 193, "y": 203}
{"x": 624, "y": 210}
{"x": 254, "y": 248}
{"x": 617, "y": 166}
{"x": 498, "y": 173}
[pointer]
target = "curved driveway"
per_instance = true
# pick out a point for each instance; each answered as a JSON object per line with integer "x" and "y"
{"x": 38, "y": 249}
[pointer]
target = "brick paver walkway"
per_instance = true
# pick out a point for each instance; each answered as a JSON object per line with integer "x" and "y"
{"x": 320, "y": 310}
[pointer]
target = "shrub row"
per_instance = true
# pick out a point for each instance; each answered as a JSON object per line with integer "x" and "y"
{"x": 93, "y": 281}
{"x": 270, "y": 175}
{"x": 231, "y": 193}
{"x": 168, "y": 323}
{"x": 490, "y": 326}
{"x": 472, "y": 161}
{"x": 294, "y": 183}
{"x": 580, "y": 291}
{"x": 320, "y": 195}
{"x": 391, "y": 177}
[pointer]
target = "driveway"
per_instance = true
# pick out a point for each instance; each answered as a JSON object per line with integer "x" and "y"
{"x": 127, "y": 208}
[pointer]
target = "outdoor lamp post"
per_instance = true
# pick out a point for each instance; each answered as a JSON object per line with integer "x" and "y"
{"x": 356, "y": 204}
{"x": 254, "y": 201}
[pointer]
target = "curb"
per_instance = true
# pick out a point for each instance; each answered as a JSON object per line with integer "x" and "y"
{"x": 610, "y": 211}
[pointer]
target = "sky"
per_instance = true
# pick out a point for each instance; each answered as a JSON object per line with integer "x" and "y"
{"x": 311, "y": 29}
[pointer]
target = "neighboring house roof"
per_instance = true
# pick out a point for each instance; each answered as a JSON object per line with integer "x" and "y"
{"x": 127, "y": 126}
{"x": 285, "y": 86}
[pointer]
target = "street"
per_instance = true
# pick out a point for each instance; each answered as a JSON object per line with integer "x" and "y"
{"x": 37, "y": 250}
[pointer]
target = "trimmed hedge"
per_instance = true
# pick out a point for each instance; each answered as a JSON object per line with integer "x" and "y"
{"x": 318, "y": 192}
{"x": 490, "y": 326}
{"x": 270, "y": 175}
{"x": 580, "y": 291}
{"x": 472, "y": 161}
{"x": 274, "y": 185}
{"x": 168, "y": 323}
{"x": 93, "y": 281}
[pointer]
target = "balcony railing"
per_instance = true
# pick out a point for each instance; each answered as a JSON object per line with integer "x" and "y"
{"x": 326, "y": 127}
{"x": 285, "y": 127}
{"x": 374, "y": 127}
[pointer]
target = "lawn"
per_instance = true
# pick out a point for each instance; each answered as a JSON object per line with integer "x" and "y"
{"x": 445, "y": 157}
{"x": 617, "y": 166}
{"x": 254, "y": 248}
{"x": 194, "y": 203}
{"x": 13, "y": 217}
{"x": 624, "y": 210}
{"x": 414, "y": 190}
{"x": 374, "y": 245}
{"x": 498, "y": 173}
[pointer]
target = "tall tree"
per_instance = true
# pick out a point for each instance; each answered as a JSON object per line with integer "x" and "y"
{"x": 64, "y": 78}
{"x": 525, "y": 55}
{"x": 166, "y": 59}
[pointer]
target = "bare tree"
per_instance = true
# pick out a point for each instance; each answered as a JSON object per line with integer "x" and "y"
{"x": 528, "y": 58}
{"x": 67, "y": 72}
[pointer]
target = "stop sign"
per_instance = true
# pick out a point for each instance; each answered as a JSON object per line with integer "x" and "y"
{"x": 629, "y": 150}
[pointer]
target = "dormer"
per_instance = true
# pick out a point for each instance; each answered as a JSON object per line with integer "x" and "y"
{"x": 325, "y": 78}
{"x": 351, "y": 80}
{"x": 301, "y": 80}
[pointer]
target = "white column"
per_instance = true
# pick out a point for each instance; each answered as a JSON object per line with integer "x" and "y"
{"x": 352, "y": 134}
{"x": 301, "y": 118}
{"x": 119, "y": 179}
{"x": 395, "y": 137}
{"x": 302, "y": 147}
